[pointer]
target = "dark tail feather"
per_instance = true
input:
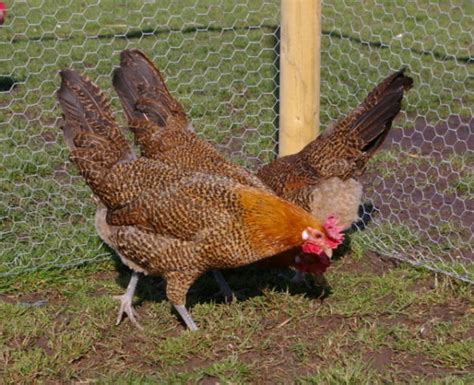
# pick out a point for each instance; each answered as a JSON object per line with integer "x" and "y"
{"x": 84, "y": 104}
{"x": 373, "y": 127}
{"x": 93, "y": 138}
{"x": 143, "y": 92}
{"x": 373, "y": 118}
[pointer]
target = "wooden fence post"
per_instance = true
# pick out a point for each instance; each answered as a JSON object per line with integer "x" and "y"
{"x": 300, "y": 58}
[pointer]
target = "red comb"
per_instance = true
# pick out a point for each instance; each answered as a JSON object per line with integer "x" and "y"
{"x": 334, "y": 232}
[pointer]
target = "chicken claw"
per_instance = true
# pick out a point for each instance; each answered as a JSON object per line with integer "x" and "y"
{"x": 126, "y": 302}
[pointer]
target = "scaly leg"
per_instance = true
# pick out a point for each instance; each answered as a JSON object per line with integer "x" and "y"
{"x": 126, "y": 302}
{"x": 181, "y": 309}
{"x": 177, "y": 285}
{"x": 224, "y": 288}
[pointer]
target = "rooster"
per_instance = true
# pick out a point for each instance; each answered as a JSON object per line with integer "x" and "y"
{"x": 178, "y": 224}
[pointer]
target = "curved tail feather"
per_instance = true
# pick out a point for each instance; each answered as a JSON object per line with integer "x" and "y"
{"x": 143, "y": 91}
{"x": 95, "y": 142}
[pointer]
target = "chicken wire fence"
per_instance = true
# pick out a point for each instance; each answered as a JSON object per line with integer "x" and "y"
{"x": 220, "y": 59}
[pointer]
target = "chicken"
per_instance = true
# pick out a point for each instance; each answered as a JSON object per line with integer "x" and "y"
{"x": 345, "y": 148}
{"x": 163, "y": 132}
{"x": 330, "y": 165}
{"x": 160, "y": 125}
{"x": 178, "y": 224}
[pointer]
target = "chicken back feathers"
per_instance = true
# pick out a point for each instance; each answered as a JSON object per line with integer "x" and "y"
{"x": 343, "y": 150}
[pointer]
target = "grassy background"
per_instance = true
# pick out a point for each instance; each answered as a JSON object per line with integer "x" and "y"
{"x": 220, "y": 60}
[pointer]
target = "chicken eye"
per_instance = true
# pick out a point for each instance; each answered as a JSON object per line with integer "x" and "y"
{"x": 318, "y": 235}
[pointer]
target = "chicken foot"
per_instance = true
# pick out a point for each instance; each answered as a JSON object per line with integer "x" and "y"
{"x": 126, "y": 302}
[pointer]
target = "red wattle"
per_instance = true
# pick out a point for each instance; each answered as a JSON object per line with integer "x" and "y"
{"x": 334, "y": 232}
{"x": 311, "y": 248}
{"x": 318, "y": 266}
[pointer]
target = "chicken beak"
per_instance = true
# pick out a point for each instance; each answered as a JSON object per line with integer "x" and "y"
{"x": 328, "y": 252}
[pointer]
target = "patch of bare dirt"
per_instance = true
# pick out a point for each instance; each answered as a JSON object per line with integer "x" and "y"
{"x": 421, "y": 188}
{"x": 210, "y": 380}
{"x": 372, "y": 263}
{"x": 379, "y": 359}
{"x": 8, "y": 298}
{"x": 417, "y": 365}
{"x": 448, "y": 312}
{"x": 42, "y": 342}
{"x": 406, "y": 365}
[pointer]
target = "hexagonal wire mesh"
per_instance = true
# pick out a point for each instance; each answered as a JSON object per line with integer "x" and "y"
{"x": 220, "y": 59}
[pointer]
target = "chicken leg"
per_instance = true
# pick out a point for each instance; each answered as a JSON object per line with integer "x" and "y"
{"x": 224, "y": 288}
{"x": 177, "y": 285}
{"x": 181, "y": 309}
{"x": 126, "y": 302}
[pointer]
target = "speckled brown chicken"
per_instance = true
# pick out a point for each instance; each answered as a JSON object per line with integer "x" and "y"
{"x": 160, "y": 125}
{"x": 166, "y": 221}
{"x": 330, "y": 164}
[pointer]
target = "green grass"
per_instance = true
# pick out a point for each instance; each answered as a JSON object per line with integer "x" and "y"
{"x": 225, "y": 74}
{"x": 278, "y": 333}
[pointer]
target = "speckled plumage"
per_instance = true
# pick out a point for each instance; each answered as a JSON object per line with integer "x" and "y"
{"x": 343, "y": 150}
{"x": 164, "y": 220}
{"x": 160, "y": 125}
{"x": 205, "y": 222}
{"x": 322, "y": 178}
